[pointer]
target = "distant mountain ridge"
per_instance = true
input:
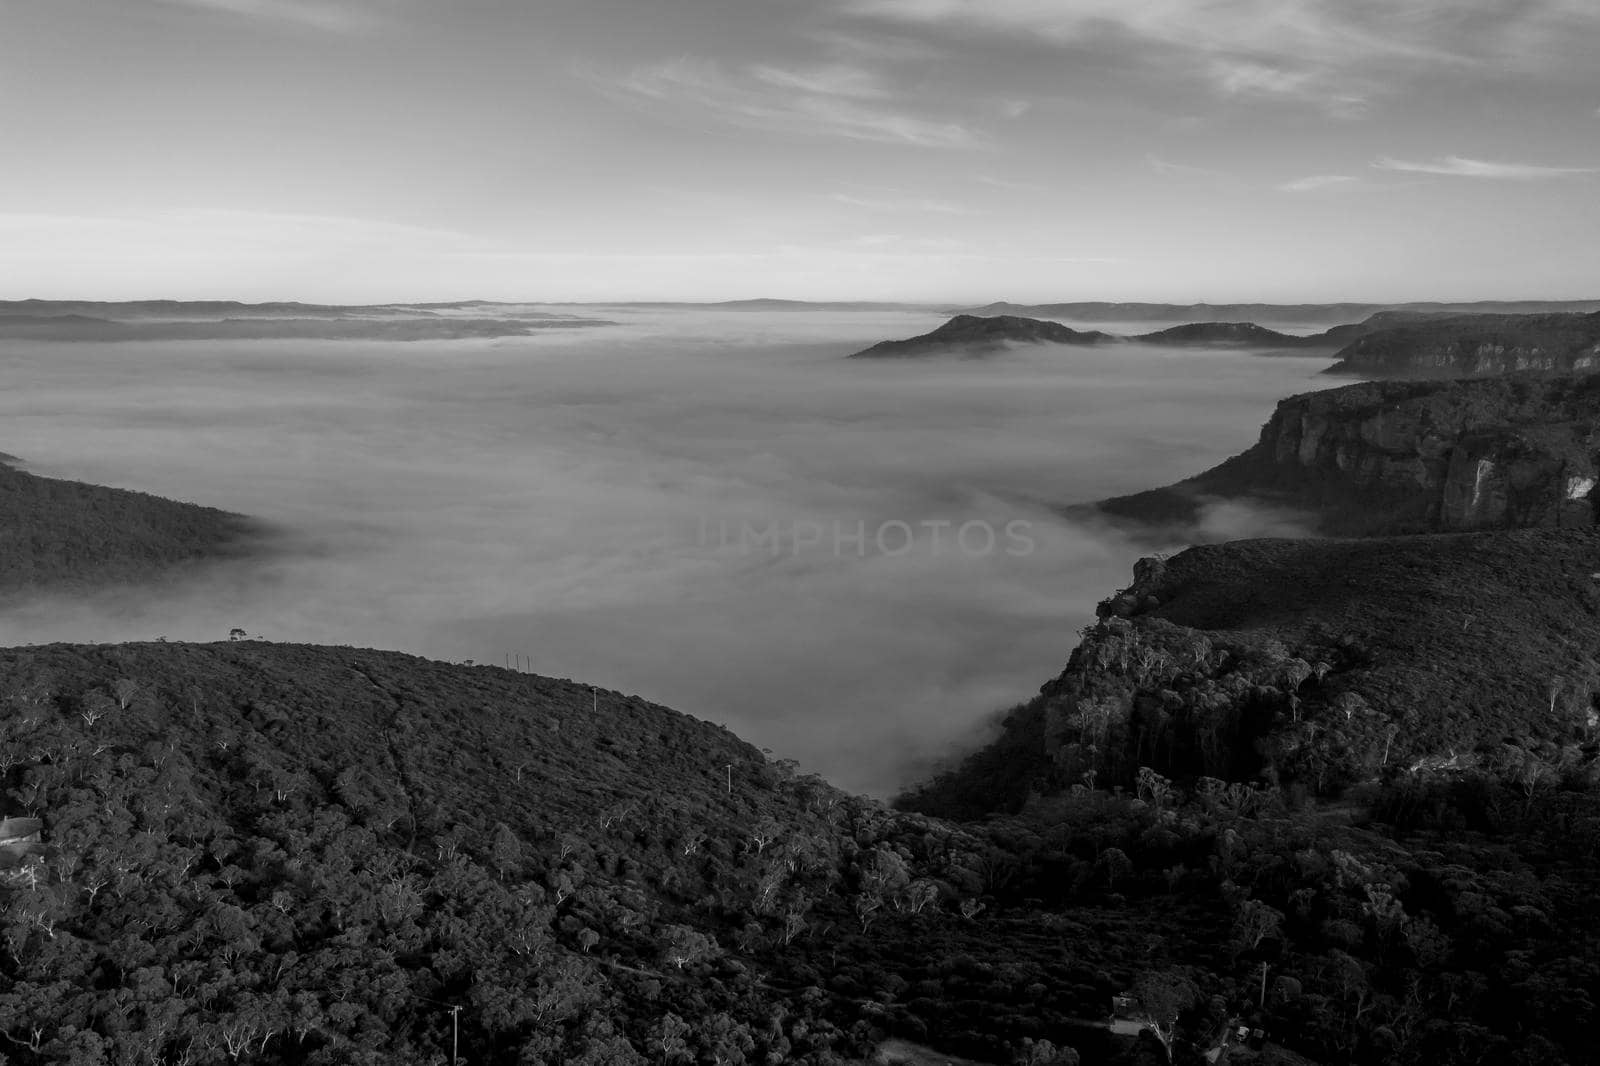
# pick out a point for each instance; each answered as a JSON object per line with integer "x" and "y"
{"x": 1287, "y": 314}
{"x": 408, "y": 326}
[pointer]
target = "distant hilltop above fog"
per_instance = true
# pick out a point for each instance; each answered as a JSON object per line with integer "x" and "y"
{"x": 971, "y": 335}
{"x": 67, "y": 534}
{"x": 176, "y": 320}
{"x": 979, "y": 335}
{"x": 1406, "y": 457}
{"x": 1386, "y": 344}
{"x": 1413, "y": 346}
{"x": 1287, "y": 314}
{"x": 1237, "y": 334}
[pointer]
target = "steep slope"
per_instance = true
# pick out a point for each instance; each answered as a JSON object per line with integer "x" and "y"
{"x": 1394, "y": 457}
{"x": 1475, "y": 345}
{"x": 1383, "y": 756}
{"x": 972, "y": 335}
{"x": 1315, "y": 663}
{"x": 67, "y": 534}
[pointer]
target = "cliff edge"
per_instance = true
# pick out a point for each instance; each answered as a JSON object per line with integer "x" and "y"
{"x": 1408, "y": 457}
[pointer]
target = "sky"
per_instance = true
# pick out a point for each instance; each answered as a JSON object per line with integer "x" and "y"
{"x": 922, "y": 150}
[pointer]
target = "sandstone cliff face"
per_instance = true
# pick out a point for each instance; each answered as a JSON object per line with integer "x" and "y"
{"x": 1475, "y": 345}
{"x": 1411, "y": 457}
{"x": 1443, "y": 459}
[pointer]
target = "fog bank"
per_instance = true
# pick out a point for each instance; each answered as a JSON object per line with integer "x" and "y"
{"x": 852, "y": 564}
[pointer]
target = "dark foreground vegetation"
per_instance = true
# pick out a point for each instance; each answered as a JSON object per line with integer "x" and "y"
{"x": 280, "y": 853}
{"x": 56, "y": 534}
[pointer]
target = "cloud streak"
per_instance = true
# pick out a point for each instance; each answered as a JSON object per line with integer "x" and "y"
{"x": 1456, "y": 166}
{"x": 1314, "y": 182}
{"x": 831, "y": 101}
{"x": 328, "y": 15}
{"x": 1333, "y": 54}
{"x": 922, "y": 205}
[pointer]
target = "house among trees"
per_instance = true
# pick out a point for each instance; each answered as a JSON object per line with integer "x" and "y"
{"x": 19, "y": 841}
{"x": 1125, "y": 1019}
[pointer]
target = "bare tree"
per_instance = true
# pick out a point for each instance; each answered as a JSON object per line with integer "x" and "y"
{"x": 126, "y": 689}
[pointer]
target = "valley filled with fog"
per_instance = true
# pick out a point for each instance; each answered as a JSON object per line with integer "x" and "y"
{"x": 710, "y": 509}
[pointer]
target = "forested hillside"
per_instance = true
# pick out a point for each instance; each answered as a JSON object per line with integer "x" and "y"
{"x": 291, "y": 854}
{"x": 56, "y": 533}
{"x": 281, "y": 853}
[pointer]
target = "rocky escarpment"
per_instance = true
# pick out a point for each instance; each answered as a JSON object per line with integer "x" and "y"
{"x": 1315, "y": 664}
{"x": 974, "y": 335}
{"x": 1474, "y": 345}
{"x": 1407, "y": 457}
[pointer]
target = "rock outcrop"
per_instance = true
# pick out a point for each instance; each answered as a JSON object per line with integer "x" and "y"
{"x": 1408, "y": 457}
{"x": 971, "y": 335}
{"x": 1313, "y": 663}
{"x": 1473, "y": 346}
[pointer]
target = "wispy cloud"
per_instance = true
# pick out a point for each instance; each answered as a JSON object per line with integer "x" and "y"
{"x": 1250, "y": 78}
{"x": 916, "y": 204}
{"x": 1459, "y": 167}
{"x": 1186, "y": 170}
{"x": 1315, "y": 182}
{"x": 1238, "y": 77}
{"x": 334, "y": 15}
{"x": 819, "y": 101}
{"x": 831, "y": 80}
{"x": 895, "y": 241}
{"x": 1009, "y": 184}
{"x": 1334, "y": 54}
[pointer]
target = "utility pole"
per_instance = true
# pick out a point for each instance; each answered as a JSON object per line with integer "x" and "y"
{"x": 594, "y": 701}
{"x": 455, "y": 1033}
{"x": 1262, "y": 1002}
{"x": 730, "y": 779}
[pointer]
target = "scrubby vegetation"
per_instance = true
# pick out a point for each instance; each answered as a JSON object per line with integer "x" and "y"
{"x": 56, "y": 533}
